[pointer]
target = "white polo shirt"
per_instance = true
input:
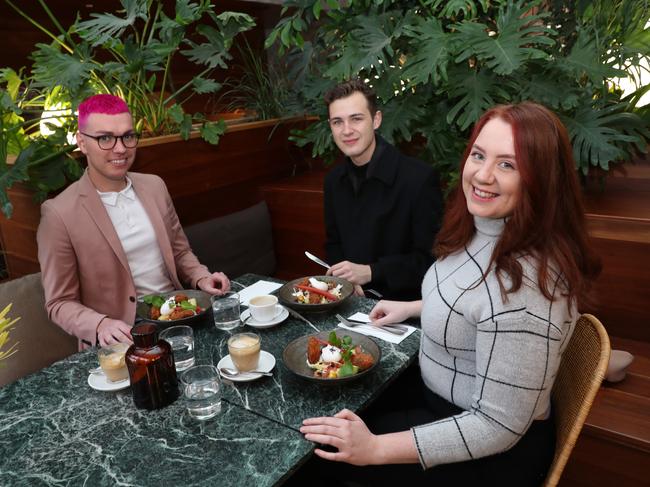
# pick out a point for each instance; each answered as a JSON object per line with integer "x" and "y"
{"x": 135, "y": 231}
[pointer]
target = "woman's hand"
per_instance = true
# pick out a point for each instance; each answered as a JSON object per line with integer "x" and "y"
{"x": 387, "y": 312}
{"x": 345, "y": 431}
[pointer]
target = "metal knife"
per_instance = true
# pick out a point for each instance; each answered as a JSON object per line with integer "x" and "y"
{"x": 313, "y": 258}
{"x": 394, "y": 329}
{"x": 295, "y": 314}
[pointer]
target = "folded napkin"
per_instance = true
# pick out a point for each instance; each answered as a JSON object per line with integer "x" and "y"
{"x": 257, "y": 289}
{"x": 376, "y": 331}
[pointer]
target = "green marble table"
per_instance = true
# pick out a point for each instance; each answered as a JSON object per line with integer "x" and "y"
{"x": 56, "y": 430}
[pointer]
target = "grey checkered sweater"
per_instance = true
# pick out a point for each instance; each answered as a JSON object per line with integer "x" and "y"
{"x": 496, "y": 360}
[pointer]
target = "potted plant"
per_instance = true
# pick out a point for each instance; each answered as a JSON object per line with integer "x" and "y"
{"x": 128, "y": 53}
{"x": 437, "y": 65}
{"x": 5, "y": 327}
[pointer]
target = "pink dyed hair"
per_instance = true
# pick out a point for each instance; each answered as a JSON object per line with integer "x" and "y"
{"x": 106, "y": 104}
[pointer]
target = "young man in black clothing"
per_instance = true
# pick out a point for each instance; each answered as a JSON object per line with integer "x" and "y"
{"x": 382, "y": 208}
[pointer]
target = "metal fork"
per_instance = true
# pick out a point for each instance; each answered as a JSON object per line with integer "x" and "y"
{"x": 394, "y": 329}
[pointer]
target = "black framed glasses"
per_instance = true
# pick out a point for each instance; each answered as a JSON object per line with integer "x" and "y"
{"x": 107, "y": 141}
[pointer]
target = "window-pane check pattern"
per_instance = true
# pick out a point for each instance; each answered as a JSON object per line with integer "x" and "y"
{"x": 495, "y": 359}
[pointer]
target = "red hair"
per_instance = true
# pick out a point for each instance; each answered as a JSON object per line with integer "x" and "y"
{"x": 548, "y": 221}
{"x": 106, "y": 104}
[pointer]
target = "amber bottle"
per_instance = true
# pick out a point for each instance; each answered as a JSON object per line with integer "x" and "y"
{"x": 151, "y": 368}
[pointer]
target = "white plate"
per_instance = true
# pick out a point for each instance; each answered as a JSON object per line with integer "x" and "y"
{"x": 267, "y": 362}
{"x": 282, "y": 315}
{"x": 99, "y": 382}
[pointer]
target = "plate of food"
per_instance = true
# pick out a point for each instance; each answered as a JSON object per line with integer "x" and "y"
{"x": 178, "y": 307}
{"x": 332, "y": 357}
{"x": 316, "y": 293}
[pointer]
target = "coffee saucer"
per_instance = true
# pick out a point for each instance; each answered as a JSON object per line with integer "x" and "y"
{"x": 280, "y": 316}
{"x": 99, "y": 382}
{"x": 266, "y": 364}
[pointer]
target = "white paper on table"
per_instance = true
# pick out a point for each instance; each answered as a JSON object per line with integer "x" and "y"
{"x": 376, "y": 331}
{"x": 257, "y": 289}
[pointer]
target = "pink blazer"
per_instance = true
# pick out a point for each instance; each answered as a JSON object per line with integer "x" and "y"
{"x": 85, "y": 273}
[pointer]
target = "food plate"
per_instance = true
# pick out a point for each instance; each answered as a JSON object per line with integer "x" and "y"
{"x": 295, "y": 356}
{"x": 266, "y": 364}
{"x": 281, "y": 315}
{"x": 99, "y": 382}
{"x": 202, "y": 299}
{"x": 286, "y": 298}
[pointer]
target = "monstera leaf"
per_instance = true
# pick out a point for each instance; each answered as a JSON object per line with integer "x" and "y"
{"x": 101, "y": 28}
{"x": 400, "y": 113}
{"x": 595, "y": 136}
{"x": 431, "y": 52}
{"x": 53, "y": 67}
{"x": 513, "y": 41}
{"x": 475, "y": 91}
{"x": 587, "y": 59}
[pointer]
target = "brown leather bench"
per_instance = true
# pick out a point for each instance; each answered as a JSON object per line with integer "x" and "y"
{"x": 40, "y": 342}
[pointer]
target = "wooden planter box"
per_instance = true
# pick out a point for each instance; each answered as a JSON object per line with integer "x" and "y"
{"x": 205, "y": 181}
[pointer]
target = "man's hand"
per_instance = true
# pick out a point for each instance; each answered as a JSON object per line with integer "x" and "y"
{"x": 113, "y": 331}
{"x": 217, "y": 283}
{"x": 355, "y": 273}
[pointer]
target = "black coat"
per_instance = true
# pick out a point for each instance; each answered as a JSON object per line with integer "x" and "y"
{"x": 388, "y": 219}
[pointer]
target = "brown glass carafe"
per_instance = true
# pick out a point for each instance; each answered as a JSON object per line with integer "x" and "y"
{"x": 151, "y": 369}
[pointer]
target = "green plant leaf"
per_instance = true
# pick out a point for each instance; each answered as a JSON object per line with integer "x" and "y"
{"x": 585, "y": 59}
{"x": 430, "y": 52}
{"x": 512, "y": 41}
{"x": 212, "y": 131}
{"x": 400, "y": 114}
{"x": 475, "y": 92}
{"x": 594, "y": 135}
{"x": 203, "y": 85}
{"x": 101, "y": 28}
{"x": 52, "y": 67}
{"x": 176, "y": 113}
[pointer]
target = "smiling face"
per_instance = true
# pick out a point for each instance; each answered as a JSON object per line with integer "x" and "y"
{"x": 107, "y": 168}
{"x": 353, "y": 127}
{"x": 491, "y": 179}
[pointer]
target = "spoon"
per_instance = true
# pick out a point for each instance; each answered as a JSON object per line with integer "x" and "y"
{"x": 227, "y": 371}
{"x": 96, "y": 371}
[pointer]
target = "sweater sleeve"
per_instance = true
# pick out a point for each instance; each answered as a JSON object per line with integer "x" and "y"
{"x": 517, "y": 356}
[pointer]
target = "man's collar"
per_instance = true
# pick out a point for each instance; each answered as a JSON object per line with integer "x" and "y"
{"x": 110, "y": 197}
{"x": 382, "y": 164}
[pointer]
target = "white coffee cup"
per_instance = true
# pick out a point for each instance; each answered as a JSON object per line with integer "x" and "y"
{"x": 264, "y": 308}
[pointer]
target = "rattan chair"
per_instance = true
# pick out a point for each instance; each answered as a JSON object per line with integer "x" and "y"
{"x": 581, "y": 371}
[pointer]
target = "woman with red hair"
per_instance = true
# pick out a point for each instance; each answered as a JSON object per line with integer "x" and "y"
{"x": 498, "y": 309}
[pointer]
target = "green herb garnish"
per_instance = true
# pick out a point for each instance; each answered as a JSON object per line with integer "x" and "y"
{"x": 154, "y": 300}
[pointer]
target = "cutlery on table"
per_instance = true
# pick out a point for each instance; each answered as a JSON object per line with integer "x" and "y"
{"x": 313, "y": 258}
{"x": 295, "y": 314}
{"x": 228, "y": 372}
{"x": 394, "y": 329}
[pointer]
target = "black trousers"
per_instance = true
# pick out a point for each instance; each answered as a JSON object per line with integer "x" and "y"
{"x": 409, "y": 403}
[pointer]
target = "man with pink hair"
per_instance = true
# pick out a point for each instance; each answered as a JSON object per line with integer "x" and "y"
{"x": 113, "y": 235}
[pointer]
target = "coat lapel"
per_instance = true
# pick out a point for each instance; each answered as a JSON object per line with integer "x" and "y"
{"x": 92, "y": 203}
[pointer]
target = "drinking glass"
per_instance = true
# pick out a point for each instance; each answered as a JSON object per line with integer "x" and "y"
{"x": 181, "y": 338}
{"x": 111, "y": 360}
{"x": 244, "y": 350}
{"x": 202, "y": 391}
{"x": 225, "y": 310}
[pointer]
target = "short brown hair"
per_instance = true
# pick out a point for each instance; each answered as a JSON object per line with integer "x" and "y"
{"x": 347, "y": 88}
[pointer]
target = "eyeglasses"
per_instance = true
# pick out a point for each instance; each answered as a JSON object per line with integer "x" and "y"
{"x": 107, "y": 142}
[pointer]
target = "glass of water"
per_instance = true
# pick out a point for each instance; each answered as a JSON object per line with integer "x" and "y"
{"x": 181, "y": 338}
{"x": 225, "y": 309}
{"x": 202, "y": 391}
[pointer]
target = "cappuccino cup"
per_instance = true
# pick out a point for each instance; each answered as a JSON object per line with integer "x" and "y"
{"x": 244, "y": 349}
{"x": 264, "y": 308}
